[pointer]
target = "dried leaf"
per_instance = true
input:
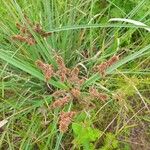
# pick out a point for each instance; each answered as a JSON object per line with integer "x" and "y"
{"x": 3, "y": 122}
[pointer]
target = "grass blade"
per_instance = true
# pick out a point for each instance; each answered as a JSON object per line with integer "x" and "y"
{"x": 29, "y": 69}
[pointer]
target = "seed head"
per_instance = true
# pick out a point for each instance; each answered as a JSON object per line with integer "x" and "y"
{"x": 39, "y": 30}
{"x": 19, "y": 38}
{"x": 31, "y": 41}
{"x": 65, "y": 120}
{"x": 46, "y": 69}
{"x": 62, "y": 70}
{"x": 94, "y": 93}
{"x": 76, "y": 93}
{"x": 112, "y": 60}
{"x": 60, "y": 102}
{"x": 102, "y": 68}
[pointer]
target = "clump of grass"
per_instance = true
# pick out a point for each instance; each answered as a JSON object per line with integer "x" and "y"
{"x": 111, "y": 103}
{"x": 71, "y": 76}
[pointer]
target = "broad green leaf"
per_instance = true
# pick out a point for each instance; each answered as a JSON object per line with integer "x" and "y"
{"x": 84, "y": 133}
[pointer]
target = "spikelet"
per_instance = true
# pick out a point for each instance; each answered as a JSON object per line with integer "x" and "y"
{"x": 59, "y": 93}
{"x": 31, "y": 41}
{"x": 28, "y": 20}
{"x": 19, "y": 38}
{"x": 60, "y": 62}
{"x": 94, "y": 93}
{"x": 65, "y": 120}
{"x": 81, "y": 81}
{"x": 22, "y": 29}
{"x": 103, "y": 66}
{"x": 46, "y": 69}
{"x": 60, "y": 102}
{"x": 74, "y": 77}
{"x": 62, "y": 70}
{"x": 63, "y": 76}
{"x": 26, "y": 35}
{"x": 70, "y": 114}
{"x": 46, "y": 34}
{"x": 75, "y": 93}
{"x": 48, "y": 72}
{"x": 112, "y": 60}
{"x": 40, "y": 64}
{"x": 75, "y": 72}
{"x": 102, "y": 97}
{"x": 39, "y": 30}
{"x": 18, "y": 26}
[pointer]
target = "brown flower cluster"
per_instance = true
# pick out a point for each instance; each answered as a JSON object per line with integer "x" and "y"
{"x": 39, "y": 30}
{"x": 46, "y": 69}
{"x": 25, "y": 35}
{"x": 94, "y": 93}
{"x": 74, "y": 77}
{"x": 75, "y": 92}
{"x": 65, "y": 120}
{"x": 63, "y": 72}
{"x": 29, "y": 39}
{"x": 66, "y": 74}
{"x": 65, "y": 117}
{"x": 103, "y": 66}
{"x": 59, "y": 93}
{"x": 61, "y": 102}
{"x": 63, "y": 97}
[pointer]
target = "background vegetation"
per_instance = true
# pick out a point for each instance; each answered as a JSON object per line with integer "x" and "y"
{"x": 83, "y": 35}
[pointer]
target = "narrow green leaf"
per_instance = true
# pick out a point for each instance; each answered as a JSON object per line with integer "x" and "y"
{"x": 76, "y": 27}
{"x": 29, "y": 69}
{"x": 121, "y": 62}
